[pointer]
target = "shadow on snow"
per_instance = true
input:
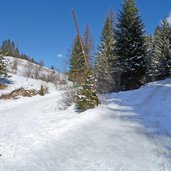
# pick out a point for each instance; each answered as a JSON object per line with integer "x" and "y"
{"x": 153, "y": 113}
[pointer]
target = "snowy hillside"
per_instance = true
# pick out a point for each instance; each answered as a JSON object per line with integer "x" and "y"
{"x": 20, "y": 81}
{"x": 22, "y": 66}
{"x": 31, "y": 76}
{"x": 131, "y": 133}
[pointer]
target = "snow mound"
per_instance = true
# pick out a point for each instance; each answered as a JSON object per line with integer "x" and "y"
{"x": 152, "y": 91}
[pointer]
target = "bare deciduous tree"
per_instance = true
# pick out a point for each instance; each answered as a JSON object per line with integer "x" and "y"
{"x": 14, "y": 65}
{"x": 28, "y": 70}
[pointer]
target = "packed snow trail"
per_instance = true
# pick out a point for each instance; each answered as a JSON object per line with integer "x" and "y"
{"x": 132, "y": 133}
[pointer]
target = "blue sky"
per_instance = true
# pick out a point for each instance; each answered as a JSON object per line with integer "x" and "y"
{"x": 44, "y": 29}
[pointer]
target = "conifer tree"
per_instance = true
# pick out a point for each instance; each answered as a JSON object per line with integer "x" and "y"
{"x": 153, "y": 65}
{"x": 81, "y": 72}
{"x": 168, "y": 56}
{"x": 8, "y": 48}
{"x": 130, "y": 46}
{"x": 161, "y": 56}
{"x": 87, "y": 95}
{"x": 77, "y": 64}
{"x": 105, "y": 56}
{"x": 149, "y": 59}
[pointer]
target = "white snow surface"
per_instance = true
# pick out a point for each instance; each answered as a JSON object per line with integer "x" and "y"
{"x": 22, "y": 65}
{"x": 131, "y": 133}
{"x": 18, "y": 77}
{"x": 17, "y": 81}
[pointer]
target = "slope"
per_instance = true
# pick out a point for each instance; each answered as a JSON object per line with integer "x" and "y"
{"x": 131, "y": 133}
{"x": 31, "y": 76}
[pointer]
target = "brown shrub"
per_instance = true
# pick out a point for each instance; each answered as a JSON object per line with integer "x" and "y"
{"x": 18, "y": 93}
{"x": 3, "y": 86}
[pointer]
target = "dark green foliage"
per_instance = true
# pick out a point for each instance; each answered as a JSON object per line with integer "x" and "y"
{"x": 8, "y": 48}
{"x": 105, "y": 57}
{"x": 52, "y": 67}
{"x": 130, "y": 46}
{"x": 164, "y": 37}
{"x": 156, "y": 72}
{"x": 43, "y": 90}
{"x": 23, "y": 56}
{"x": 77, "y": 63}
{"x": 169, "y": 58}
{"x": 161, "y": 54}
{"x": 87, "y": 96}
{"x": 151, "y": 62}
{"x": 149, "y": 42}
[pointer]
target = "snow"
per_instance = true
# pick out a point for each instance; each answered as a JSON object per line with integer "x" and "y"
{"x": 22, "y": 65}
{"x": 18, "y": 77}
{"x": 20, "y": 81}
{"x": 130, "y": 133}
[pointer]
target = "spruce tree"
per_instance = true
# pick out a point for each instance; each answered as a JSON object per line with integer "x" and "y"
{"x": 168, "y": 56}
{"x": 150, "y": 62}
{"x": 105, "y": 57}
{"x": 87, "y": 96}
{"x": 81, "y": 72}
{"x": 77, "y": 64}
{"x": 161, "y": 53}
{"x": 130, "y": 46}
{"x": 154, "y": 72}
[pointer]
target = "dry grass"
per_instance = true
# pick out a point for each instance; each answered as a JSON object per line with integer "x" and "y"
{"x": 18, "y": 93}
{"x": 3, "y": 86}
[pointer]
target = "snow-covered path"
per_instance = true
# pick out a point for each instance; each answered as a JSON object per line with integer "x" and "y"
{"x": 132, "y": 133}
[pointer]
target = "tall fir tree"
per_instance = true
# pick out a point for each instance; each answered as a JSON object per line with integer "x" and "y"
{"x": 152, "y": 61}
{"x": 161, "y": 54}
{"x": 130, "y": 46}
{"x": 168, "y": 54}
{"x": 77, "y": 63}
{"x": 105, "y": 56}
